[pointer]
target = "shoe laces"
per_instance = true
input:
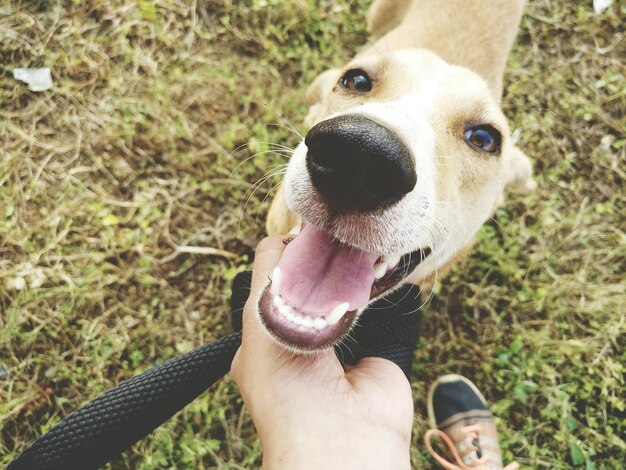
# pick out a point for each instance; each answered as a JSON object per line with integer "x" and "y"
{"x": 471, "y": 441}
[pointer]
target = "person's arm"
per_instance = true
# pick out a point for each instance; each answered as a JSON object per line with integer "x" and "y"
{"x": 309, "y": 411}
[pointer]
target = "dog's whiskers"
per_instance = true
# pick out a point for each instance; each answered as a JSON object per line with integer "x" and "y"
{"x": 274, "y": 171}
{"x": 440, "y": 226}
{"x": 250, "y": 192}
{"x": 493, "y": 218}
{"x": 258, "y": 142}
{"x": 282, "y": 153}
{"x": 289, "y": 126}
{"x": 273, "y": 186}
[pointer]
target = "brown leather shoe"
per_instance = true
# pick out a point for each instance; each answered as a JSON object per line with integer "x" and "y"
{"x": 460, "y": 420}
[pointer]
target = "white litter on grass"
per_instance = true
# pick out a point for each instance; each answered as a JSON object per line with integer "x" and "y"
{"x": 37, "y": 79}
{"x": 600, "y": 5}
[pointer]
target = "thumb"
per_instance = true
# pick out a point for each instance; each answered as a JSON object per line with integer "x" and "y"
{"x": 267, "y": 255}
{"x": 255, "y": 336}
{"x": 257, "y": 344}
{"x": 381, "y": 372}
{"x": 254, "y": 339}
{"x": 385, "y": 387}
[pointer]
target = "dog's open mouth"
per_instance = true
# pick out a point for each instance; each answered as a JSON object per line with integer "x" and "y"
{"x": 320, "y": 284}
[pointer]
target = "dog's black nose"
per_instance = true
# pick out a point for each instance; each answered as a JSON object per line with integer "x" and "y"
{"x": 357, "y": 164}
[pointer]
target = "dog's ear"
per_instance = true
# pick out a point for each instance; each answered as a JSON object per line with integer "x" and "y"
{"x": 321, "y": 86}
{"x": 384, "y": 15}
{"x": 319, "y": 89}
{"x": 519, "y": 172}
{"x": 280, "y": 220}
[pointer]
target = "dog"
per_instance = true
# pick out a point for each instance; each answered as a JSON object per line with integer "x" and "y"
{"x": 407, "y": 155}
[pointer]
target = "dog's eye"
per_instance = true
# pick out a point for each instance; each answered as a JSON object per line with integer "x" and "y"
{"x": 356, "y": 80}
{"x": 485, "y": 138}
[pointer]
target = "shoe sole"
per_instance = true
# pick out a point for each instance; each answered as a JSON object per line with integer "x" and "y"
{"x": 446, "y": 379}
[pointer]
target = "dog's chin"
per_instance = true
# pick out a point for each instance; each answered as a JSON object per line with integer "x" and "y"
{"x": 300, "y": 332}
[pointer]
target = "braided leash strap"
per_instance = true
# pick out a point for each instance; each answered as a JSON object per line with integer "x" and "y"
{"x": 94, "y": 434}
{"x": 103, "y": 428}
{"x": 389, "y": 328}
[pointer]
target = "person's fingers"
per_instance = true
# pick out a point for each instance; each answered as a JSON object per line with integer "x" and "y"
{"x": 256, "y": 341}
{"x": 268, "y": 253}
{"x": 235, "y": 366}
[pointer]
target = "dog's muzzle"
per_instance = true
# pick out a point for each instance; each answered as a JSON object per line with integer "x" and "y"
{"x": 357, "y": 165}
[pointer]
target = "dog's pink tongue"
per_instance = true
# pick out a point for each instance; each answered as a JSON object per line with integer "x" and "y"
{"x": 318, "y": 273}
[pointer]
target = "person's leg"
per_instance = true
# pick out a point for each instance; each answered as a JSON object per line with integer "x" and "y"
{"x": 460, "y": 419}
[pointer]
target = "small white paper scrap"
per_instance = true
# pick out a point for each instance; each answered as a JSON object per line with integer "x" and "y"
{"x": 600, "y": 5}
{"x": 37, "y": 79}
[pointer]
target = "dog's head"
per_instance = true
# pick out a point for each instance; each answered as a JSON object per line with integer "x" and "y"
{"x": 406, "y": 158}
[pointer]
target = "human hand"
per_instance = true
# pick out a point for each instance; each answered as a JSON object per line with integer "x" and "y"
{"x": 311, "y": 411}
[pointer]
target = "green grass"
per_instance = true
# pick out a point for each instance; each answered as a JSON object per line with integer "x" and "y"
{"x": 133, "y": 153}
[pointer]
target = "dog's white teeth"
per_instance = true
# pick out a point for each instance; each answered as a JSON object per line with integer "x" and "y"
{"x": 338, "y": 312}
{"x": 285, "y": 310}
{"x": 305, "y": 321}
{"x": 277, "y": 277}
{"x": 380, "y": 269}
{"x": 278, "y": 301}
{"x": 385, "y": 264}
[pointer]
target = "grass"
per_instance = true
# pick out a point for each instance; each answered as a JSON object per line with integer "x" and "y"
{"x": 135, "y": 153}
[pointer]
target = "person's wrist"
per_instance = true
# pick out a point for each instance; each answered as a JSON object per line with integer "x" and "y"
{"x": 355, "y": 447}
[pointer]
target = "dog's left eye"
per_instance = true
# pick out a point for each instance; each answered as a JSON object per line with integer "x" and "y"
{"x": 485, "y": 138}
{"x": 356, "y": 80}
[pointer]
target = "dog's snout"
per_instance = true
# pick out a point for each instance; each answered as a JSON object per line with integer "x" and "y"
{"x": 357, "y": 164}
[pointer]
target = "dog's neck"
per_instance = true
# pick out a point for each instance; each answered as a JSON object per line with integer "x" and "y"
{"x": 476, "y": 34}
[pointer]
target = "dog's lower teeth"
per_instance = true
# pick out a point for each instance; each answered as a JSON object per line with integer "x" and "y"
{"x": 278, "y": 301}
{"x": 306, "y": 321}
{"x": 285, "y": 310}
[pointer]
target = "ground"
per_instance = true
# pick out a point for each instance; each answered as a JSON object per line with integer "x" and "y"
{"x": 144, "y": 147}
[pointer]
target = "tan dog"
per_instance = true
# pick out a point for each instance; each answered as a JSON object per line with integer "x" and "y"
{"x": 408, "y": 155}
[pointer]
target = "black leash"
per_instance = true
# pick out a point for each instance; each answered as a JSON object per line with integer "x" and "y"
{"x": 103, "y": 428}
